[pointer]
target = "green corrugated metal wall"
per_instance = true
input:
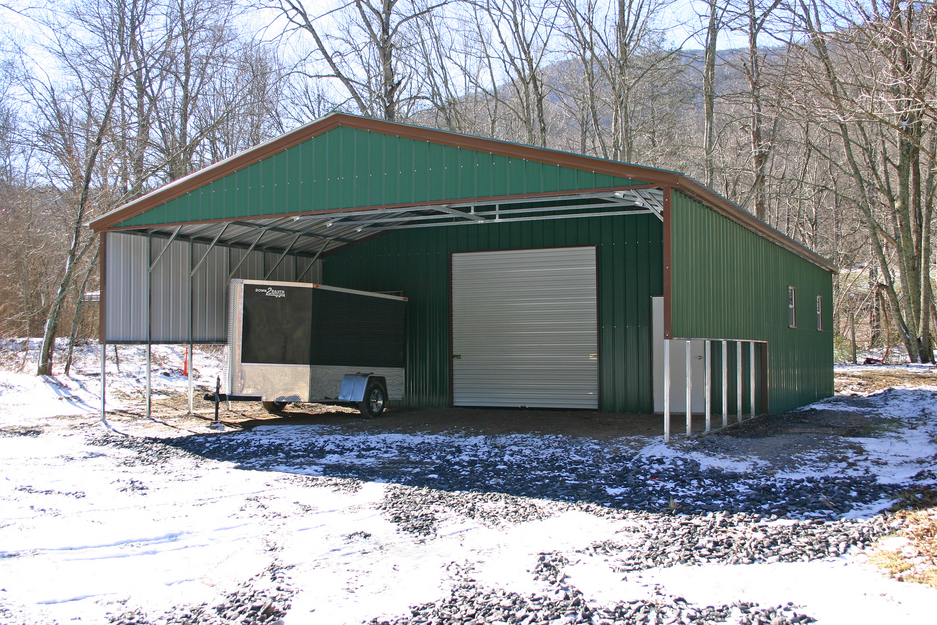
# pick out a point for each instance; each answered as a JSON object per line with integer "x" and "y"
{"x": 730, "y": 283}
{"x": 358, "y": 169}
{"x": 630, "y": 261}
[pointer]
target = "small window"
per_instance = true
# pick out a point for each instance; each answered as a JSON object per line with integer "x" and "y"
{"x": 819, "y": 313}
{"x": 791, "y": 307}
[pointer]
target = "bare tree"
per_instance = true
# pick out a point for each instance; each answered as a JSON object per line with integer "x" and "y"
{"x": 364, "y": 47}
{"x": 870, "y": 80}
{"x": 635, "y": 67}
{"x": 71, "y": 129}
{"x": 520, "y": 31}
{"x": 248, "y": 100}
{"x": 753, "y": 17}
{"x": 199, "y": 45}
{"x": 715, "y": 12}
{"x": 583, "y": 84}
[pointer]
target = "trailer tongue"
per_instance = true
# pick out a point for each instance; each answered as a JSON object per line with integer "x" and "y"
{"x": 297, "y": 342}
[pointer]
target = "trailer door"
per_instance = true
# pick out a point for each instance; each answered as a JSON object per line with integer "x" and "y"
{"x": 524, "y": 328}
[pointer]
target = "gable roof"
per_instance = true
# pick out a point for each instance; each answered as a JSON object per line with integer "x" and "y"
{"x": 343, "y": 162}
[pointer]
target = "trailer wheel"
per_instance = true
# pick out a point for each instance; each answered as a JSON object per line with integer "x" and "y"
{"x": 274, "y": 407}
{"x": 374, "y": 399}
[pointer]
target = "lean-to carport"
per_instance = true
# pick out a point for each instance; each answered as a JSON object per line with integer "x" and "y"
{"x": 374, "y": 205}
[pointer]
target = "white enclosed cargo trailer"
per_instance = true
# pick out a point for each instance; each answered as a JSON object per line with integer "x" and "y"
{"x": 300, "y": 342}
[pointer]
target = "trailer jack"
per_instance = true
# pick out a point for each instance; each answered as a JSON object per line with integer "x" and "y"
{"x": 217, "y": 397}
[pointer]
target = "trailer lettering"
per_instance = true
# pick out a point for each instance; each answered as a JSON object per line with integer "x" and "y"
{"x": 271, "y": 292}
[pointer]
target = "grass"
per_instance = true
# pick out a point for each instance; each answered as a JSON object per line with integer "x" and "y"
{"x": 916, "y": 560}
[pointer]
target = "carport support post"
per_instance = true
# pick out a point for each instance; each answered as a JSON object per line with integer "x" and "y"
{"x": 689, "y": 389}
{"x": 103, "y": 380}
{"x": 190, "y": 356}
{"x": 149, "y": 368}
{"x": 725, "y": 384}
{"x": 739, "y": 389}
{"x": 708, "y": 384}
{"x": 751, "y": 366}
{"x": 666, "y": 390}
{"x": 149, "y": 321}
{"x": 190, "y": 359}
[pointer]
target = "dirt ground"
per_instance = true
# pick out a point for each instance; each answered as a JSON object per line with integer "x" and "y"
{"x": 169, "y": 416}
{"x": 868, "y": 380}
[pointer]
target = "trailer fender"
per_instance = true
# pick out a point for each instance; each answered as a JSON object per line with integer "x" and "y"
{"x": 355, "y": 384}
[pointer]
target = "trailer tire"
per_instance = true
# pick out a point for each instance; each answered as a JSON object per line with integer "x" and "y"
{"x": 274, "y": 407}
{"x": 375, "y": 398}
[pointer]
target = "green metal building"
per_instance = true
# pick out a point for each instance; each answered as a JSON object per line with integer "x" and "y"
{"x": 534, "y": 277}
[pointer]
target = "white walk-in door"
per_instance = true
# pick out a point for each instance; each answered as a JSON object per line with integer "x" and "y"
{"x": 524, "y": 328}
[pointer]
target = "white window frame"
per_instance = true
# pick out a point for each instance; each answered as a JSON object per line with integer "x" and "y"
{"x": 791, "y": 307}
{"x": 819, "y": 313}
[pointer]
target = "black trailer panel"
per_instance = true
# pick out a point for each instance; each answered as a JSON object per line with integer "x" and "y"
{"x": 276, "y": 328}
{"x": 354, "y": 330}
{"x": 294, "y": 342}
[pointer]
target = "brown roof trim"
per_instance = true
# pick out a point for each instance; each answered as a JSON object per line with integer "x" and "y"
{"x": 655, "y": 177}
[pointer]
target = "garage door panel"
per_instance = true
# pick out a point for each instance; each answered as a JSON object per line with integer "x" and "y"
{"x": 525, "y": 328}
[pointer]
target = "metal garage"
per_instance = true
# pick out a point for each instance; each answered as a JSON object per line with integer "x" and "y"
{"x": 530, "y": 273}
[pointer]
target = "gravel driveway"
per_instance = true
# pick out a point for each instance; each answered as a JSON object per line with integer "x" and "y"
{"x": 397, "y": 525}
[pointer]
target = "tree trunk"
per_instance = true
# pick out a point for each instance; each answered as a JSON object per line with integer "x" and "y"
{"x": 709, "y": 92}
{"x": 76, "y": 318}
{"x": 50, "y": 329}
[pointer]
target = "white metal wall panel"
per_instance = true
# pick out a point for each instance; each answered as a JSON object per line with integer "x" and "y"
{"x": 524, "y": 328}
{"x": 209, "y": 289}
{"x": 125, "y": 268}
{"x": 171, "y": 290}
{"x": 677, "y": 367}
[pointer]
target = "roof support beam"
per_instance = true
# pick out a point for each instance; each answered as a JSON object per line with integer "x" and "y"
{"x": 282, "y": 256}
{"x": 458, "y": 213}
{"x": 533, "y": 218}
{"x": 275, "y": 227}
{"x": 163, "y": 251}
{"x": 299, "y": 278}
{"x": 251, "y": 249}
{"x": 208, "y": 251}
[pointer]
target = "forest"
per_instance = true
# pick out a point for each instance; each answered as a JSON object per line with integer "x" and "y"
{"x": 817, "y": 116}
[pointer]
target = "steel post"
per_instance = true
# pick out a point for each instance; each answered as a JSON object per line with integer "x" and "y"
{"x": 191, "y": 361}
{"x": 725, "y": 383}
{"x": 740, "y": 378}
{"x": 751, "y": 366}
{"x": 708, "y": 384}
{"x": 666, "y": 390}
{"x": 103, "y": 381}
{"x": 689, "y": 388}
{"x": 149, "y": 388}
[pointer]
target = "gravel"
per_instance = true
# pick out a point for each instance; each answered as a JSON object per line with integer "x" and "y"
{"x": 677, "y": 513}
{"x": 262, "y": 599}
{"x": 470, "y": 604}
{"x": 741, "y": 539}
{"x": 557, "y": 468}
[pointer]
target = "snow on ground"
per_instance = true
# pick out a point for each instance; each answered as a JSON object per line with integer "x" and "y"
{"x": 333, "y": 528}
{"x": 23, "y": 395}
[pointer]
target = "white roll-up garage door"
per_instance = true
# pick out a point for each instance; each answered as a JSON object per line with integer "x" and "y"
{"x": 524, "y": 328}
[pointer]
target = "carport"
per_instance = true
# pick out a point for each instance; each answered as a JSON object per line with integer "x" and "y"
{"x": 535, "y": 278}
